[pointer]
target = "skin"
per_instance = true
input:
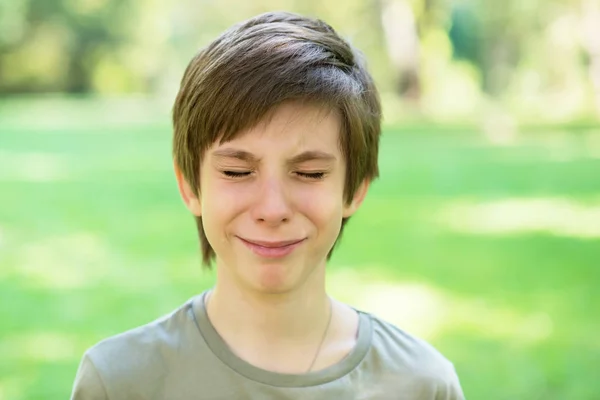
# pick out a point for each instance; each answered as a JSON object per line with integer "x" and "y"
{"x": 280, "y": 181}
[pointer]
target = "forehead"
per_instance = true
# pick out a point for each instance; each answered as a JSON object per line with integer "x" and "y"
{"x": 292, "y": 125}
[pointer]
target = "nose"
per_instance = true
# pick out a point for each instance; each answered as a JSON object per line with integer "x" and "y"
{"x": 272, "y": 206}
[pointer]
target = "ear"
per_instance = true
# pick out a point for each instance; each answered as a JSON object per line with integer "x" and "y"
{"x": 191, "y": 200}
{"x": 357, "y": 200}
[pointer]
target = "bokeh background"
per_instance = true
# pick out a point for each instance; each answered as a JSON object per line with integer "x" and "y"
{"x": 482, "y": 234}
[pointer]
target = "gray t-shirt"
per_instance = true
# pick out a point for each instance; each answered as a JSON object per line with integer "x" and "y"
{"x": 181, "y": 356}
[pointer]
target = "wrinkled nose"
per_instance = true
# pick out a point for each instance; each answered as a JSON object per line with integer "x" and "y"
{"x": 272, "y": 205}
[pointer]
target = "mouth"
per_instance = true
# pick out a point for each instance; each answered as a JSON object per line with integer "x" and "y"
{"x": 271, "y": 249}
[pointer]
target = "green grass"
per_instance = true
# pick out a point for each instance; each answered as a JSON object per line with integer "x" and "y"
{"x": 490, "y": 252}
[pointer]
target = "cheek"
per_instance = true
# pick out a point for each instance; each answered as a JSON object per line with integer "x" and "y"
{"x": 323, "y": 206}
{"x": 221, "y": 203}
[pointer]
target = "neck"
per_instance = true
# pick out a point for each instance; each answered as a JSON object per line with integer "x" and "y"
{"x": 296, "y": 315}
{"x": 282, "y": 332}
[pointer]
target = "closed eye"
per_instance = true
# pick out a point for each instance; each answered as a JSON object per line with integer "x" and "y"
{"x": 236, "y": 174}
{"x": 311, "y": 175}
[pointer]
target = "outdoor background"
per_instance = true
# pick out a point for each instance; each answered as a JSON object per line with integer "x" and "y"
{"x": 482, "y": 234}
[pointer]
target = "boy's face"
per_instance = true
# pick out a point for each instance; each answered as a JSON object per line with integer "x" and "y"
{"x": 272, "y": 199}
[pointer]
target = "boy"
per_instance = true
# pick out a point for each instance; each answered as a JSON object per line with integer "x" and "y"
{"x": 276, "y": 133}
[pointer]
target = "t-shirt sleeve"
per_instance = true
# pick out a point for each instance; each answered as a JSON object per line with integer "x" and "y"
{"x": 451, "y": 390}
{"x": 88, "y": 383}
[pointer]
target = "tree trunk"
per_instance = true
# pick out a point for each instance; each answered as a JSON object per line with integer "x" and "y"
{"x": 591, "y": 43}
{"x": 402, "y": 42}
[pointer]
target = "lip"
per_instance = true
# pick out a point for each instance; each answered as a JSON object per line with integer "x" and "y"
{"x": 270, "y": 249}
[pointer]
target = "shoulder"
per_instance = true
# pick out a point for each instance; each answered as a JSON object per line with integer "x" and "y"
{"x": 143, "y": 354}
{"x": 413, "y": 360}
{"x": 142, "y": 342}
{"x": 407, "y": 351}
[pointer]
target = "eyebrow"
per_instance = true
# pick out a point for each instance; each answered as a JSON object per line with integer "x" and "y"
{"x": 234, "y": 153}
{"x": 311, "y": 155}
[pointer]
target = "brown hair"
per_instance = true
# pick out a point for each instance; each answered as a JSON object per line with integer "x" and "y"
{"x": 238, "y": 79}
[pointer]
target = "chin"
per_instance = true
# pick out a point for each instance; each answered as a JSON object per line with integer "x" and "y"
{"x": 274, "y": 284}
{"x": 273, "y": 280}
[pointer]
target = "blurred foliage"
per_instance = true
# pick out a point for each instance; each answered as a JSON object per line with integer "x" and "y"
{"x": 441, "y": 58}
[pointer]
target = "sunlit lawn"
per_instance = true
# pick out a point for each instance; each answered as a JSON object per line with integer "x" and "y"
{"x": 490, "y": 252}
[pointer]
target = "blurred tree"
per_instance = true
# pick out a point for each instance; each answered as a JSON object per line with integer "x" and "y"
{"x": 590, "y": 37}
{"x": 400, "y": 28}
{"x": 56, "y": 44}
{"x": 442, "y": 57}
